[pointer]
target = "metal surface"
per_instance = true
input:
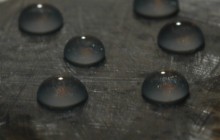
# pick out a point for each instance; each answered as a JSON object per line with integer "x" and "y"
{"x": 115, "y": 109}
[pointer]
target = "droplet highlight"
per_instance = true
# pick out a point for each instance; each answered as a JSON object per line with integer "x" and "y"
{"x": 61, "y": 92}
{"x": 181, "y": 37}
{"x": 84, "y": 51}
{"x": 40, "y": 19}
{"x": 156, "y": 8}
{"x": 165, "y": 87}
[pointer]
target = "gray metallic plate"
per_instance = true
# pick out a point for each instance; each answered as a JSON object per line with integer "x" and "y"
{"x": 115, "y": 109}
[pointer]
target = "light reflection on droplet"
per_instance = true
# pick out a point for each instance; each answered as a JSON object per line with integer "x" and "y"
{"x": 163, "y": 72}
{"x": 39, "y": 6}
{"x": 60, "y": 78}
{"x": 83, "y": 37}
{"x": 178, "y": 23}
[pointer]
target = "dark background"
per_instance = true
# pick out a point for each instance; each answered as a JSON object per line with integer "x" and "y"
{"x": 115, "y": 109}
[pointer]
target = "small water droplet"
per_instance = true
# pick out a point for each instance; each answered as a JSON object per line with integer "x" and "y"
{"x": 61, "y": 92}
{"x": 166, "y": 87}
{"x": 84, "y": 51}
{"x": 156, "y": 8}
{"x": 181, "y": 37}
{"x": 40, "y": 19}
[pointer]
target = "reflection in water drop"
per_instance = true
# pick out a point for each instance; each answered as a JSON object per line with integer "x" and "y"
{"x": 165, "y": 87}
{"x": 61, "y": 92}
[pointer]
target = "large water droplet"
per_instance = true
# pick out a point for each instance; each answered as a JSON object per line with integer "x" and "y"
{"x": 61, "y": 92}
{"x": 84, "y": 51}
{"x": 40, "y": 19}
{"x": 181, "y": 37}
{"x": 165, "y": 87}
{"x": 156, "y": 8}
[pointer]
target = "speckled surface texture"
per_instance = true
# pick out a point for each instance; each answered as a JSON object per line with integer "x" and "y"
{"x": 115, "y": 109}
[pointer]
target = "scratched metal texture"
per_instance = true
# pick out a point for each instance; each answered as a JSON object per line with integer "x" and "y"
{"x": 115, "y": 109}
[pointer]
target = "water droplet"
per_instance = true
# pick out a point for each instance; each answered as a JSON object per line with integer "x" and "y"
{"x": 84, "y": 51}
{"x": 181, "y": 37}
{"x": 40, "y": 19}
{"x": 165, "y": 87}
{"x": 156, "y": 8}
{"x": 61, "y": 92}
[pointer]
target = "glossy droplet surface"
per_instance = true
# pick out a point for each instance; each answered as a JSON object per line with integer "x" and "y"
{"x": 61, "y": 92}
{"x": 40, "y": 19}
{"x": 156, "y": 8}
{"x": 165, "y": 87}
{"x": 181, "y": 37}
{"x": 84, "y": 51}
